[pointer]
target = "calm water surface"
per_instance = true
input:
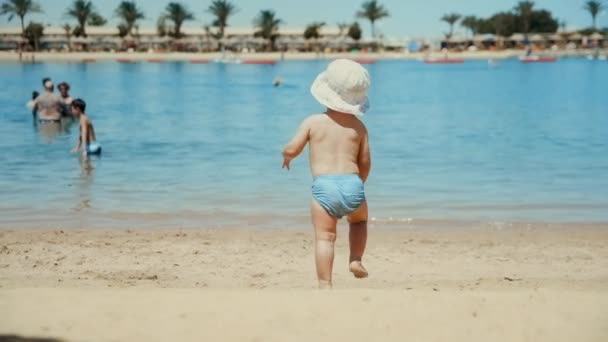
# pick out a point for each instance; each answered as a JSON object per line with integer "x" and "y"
{"x": 199, "y": 145}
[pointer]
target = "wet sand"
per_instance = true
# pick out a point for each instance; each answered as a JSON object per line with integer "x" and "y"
{"x": 528, "y": 283}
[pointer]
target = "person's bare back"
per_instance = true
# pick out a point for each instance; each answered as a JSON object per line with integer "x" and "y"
{"x": 338, "y": 144}
{"x": 340, "y": 162}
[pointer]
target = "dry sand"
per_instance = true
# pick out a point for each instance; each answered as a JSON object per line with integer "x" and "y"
{"x": 526, "y": 283}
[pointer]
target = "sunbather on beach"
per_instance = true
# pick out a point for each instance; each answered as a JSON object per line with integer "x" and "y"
{"x": 340, "y": 162}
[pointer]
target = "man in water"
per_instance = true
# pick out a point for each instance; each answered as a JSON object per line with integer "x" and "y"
{"x": 87, "y": 140}
{"x": 64, "y": 89}
{"x": 48, "y": 104}
{"x": 340, "y": 162}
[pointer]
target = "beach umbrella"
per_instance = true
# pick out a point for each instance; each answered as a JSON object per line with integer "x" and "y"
{"x": 575, "y": 36}
{"x": 537, "y": 38}
{"x": 517, "y": 37}
{"x": 596, "y": 36}
{"x": 556, "y": 37}
{"x": 484, "y": 38}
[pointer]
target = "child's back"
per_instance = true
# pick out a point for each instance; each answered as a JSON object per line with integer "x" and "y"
{"x": 336, "y": 140}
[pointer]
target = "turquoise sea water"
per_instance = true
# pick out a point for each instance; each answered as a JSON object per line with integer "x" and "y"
{"x": 199, "y": 145}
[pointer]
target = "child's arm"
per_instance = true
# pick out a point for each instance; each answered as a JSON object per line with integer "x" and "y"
{"x": 364, "y": 160}
{"x": 297, "y": 143}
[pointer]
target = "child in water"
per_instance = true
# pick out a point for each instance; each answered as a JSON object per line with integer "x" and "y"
{"x": 87, "y": 140}
{"x": 340, "y": 162}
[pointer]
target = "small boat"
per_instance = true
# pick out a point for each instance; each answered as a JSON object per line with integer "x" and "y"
{"x": 260, "y": 61}
{"x": 365, "y": 61}
{"x": 444, "y": 61}
{"x": 124, "y": 60}
{"x": 156, "y": 60}
{"x": 89, "y": 60}
{"x": 537, "y": 59}
{"x": 199, "y": 61}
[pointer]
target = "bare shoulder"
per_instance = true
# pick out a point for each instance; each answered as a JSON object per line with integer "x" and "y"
{"x": 360, "y": 126}
{"x": 314, "y": 120}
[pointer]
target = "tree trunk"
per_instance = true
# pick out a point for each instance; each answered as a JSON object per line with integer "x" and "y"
{"x": 178, "y": 30}
{"x": 373, "y": 29}
{"x": 594, "y": 23}
{"x": 221, "y": 36}
{"x": 22, "y": 36}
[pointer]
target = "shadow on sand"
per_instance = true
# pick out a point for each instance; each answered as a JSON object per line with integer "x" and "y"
{"x": 15, "y": 338}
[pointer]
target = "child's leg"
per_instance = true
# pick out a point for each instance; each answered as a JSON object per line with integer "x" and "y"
{"x": 358, "y": 239}
{"x": 325, "y": 237}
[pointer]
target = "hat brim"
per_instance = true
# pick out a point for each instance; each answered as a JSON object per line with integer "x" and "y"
{"x": 326, "y": 96}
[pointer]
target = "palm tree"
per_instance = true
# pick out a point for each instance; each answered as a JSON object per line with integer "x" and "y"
{"x": 19, "y": 8}
{"x": 313, "y": 30}
{"x": 33, "y": 33}
{"x": 451, "y": 19}
{"x": 524, "y": 9}
{"x": 82, "y": 11}
{"x": 354, "y": 31}
{"x": 96, "y": 20}
{"x": 222, "y": 10}
{"x": 373, "y": 12}
{"x": 268, "y": 26}
{"x": 594, "y": 8}
{"x": 178, "y": 14}
{"x": 161, "y": 26}
{"x": 470, "y": 22}
{"x": 129, "y": 13}
{"x": 343, "y": 27}
{"x": 68, "y": 35}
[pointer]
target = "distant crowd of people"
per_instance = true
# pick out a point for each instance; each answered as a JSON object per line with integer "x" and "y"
{"x": 49, "y": 108}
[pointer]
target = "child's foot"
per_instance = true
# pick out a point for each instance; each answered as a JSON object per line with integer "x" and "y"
{"x": 324, "y": 285}
{"x": 358, "y": 270}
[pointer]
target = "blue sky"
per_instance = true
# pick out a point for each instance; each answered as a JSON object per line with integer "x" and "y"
{"x": 408, "y": 18}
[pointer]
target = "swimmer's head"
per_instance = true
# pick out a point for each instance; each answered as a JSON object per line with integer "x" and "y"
{"x": 47, "y": 83}
{"x": 63, "y": 87}
{"x": 35, "y": 94}
{"x": 78, "y": 107}
{"x": 277, "y": 82}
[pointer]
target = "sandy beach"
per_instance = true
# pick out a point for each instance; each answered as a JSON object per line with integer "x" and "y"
{"x": 157, "y": 57}
{"x": 525, "y": 283}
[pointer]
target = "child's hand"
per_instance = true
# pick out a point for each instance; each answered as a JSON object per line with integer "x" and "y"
{"x": 286, "y": 162}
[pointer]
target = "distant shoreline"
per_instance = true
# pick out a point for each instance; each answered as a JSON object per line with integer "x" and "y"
{"x": 159, "y": 57}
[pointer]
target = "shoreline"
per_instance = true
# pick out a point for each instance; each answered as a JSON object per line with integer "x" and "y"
{"x": 188, "y": 220}
{"x": 242, "y": 285}
{"x": 202, "y": 58}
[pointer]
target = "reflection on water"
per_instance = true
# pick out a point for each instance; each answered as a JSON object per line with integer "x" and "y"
{"x": 51, "y": 130}
{"x": 87, "y": 174}
{"x": 194, "y": 145}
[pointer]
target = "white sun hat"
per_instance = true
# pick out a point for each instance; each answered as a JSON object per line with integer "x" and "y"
{"x": 343, "y": 87}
